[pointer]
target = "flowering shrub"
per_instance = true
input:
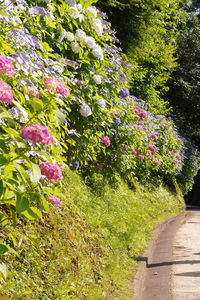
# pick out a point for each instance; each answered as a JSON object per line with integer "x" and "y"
{"x": 60, "y": 69}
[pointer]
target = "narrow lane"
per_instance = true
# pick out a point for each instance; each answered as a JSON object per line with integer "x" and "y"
{"x": 185, "y": 279}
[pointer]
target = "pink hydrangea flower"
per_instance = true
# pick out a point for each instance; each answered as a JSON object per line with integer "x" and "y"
{"x": 157, "y": 162}
{"x": 37, "y": 133}
{"x": 145, "y": 128}
{"x": 152, "y": 149}
{"x": 149, "y": 154}
{"x": 6, "y": 67}
{"x": 54, "y": 200}
{"x": 52, "y": 171}
{"x": 32, "y": 90}
{"x": 100, "y": 167}
{"x": 143, "y": 115}
{"x": 175, "y": 162}
{"x": 170, "y": 152}
{"x": 134, "y": 152}
{"x": 153, "y": 136}
{"x": 55, "y": 85}
{"x": 105, "y": 140}
{"x": 140, "y": 123}
{"x": 62, "y": 89}
{"x": 137, "y": 110}
{"x": 6, "y": 94}
{"x": 137, "y": 117}
{"x": 175, "y": 151}
{"x": 140, "y": 156}
{"x": 178, "y": 156}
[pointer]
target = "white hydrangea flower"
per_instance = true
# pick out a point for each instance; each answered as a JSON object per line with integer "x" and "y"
{"x": 90, "y": 42}
{"x": 69, "y": 36}
{"x": 85, "y": 110}
{"x": 98, "y": 52}
{"x": 80, "y": 35}
{"x": 50, "y": 7}
{"x": 75, "y": 47}
{"x": 62, "y": 37}
{"x": 91, "y": 10}
{"x": 97, "y": 25}
{"x": 101, "y": 103}
{"x": 74, "y": 13}
{"x": 97, "y": 79}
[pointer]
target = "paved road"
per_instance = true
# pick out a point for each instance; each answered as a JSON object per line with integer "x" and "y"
{"x": 170, "y": 268}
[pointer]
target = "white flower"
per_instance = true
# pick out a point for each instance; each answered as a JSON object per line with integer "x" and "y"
{"x": 85, "y": 110}
{"x": 80, "y": 35}
{"x": 74, "y": 13}
{"x": 50, "y": 7}
{"x": 101, "y": 103}
{"x": 62, "y": 36}
{"x": 97, "y": 79}
{"x": 75, "y": 47}
{"x": 91, "y": 12}
{"x": 97, "y": 25}
{"x": 46, "y": 1}
{"x": 97, "y": 52}
{"x": 70, "y": 2}
{"x": 90, "y": 42}
{"x": 69, "y": 36}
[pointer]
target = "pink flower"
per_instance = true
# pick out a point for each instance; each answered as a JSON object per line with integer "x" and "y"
{"x": 178, "y": 156}
{"x": 55, "y": 85}
{"x": 170, "y": 152}
{"x": 137, "y": 117}
{"x": 62, "y": 89}
{"x": 140, "y": 156}
{"x": 37, "y": 133}
{"x": 134, "y": 152}
{"x": 175, "y": 151}
{"x": 143, "y": 115}
{"x": 149, "y": 154}
{"x": 140, "y": 123}
{"x": 32, "y": 90}
{"x": 157, "y": 163}
{"x": 152, "y": 149}
{"x": 145, "y": 128}
{"x": 100, "y": 167}
{"x": 137, "y": 110}
{"x": 175, "y": 162}
{"x": 6, "y": 94}
{"x": 51, "y": 171}
{"x": 105, "y": 140}
{"x": 153, "y": 136}
{"x": 54, "y": 200}
{"x": 6, "y": 67}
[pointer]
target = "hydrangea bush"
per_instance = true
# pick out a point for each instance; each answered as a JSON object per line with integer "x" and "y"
{"x": 65, "y": 102}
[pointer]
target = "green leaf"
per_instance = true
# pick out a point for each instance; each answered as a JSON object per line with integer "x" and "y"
{"x": 23, "y": 111}
{"x": 3, "y": 249}
{"x": 32, "y": 213}
{"x": 36, "y": 104}
{"x": 1, "y": 187}
{"x": 22, "y": 203}
{"x": 59, "y": 117}
{"x": 3, "y": 269}
{"x": 36, "y": 174}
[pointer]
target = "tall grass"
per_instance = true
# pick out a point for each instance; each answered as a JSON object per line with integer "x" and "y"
{"x": 85, "y": 249}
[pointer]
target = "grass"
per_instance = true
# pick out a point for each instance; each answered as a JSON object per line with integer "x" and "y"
{"x": 87, "y": 248}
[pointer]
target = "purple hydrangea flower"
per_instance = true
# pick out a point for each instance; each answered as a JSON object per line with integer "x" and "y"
{"x": 124, "y": 93}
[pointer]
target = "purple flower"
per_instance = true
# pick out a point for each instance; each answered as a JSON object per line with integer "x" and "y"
{"x": 116, "y": 120}
{"x": 143, "y": 115}
{"x": 137, "y": 110}
{"x": 75, "y": 165}
{"x": 124, "y": 93}
{"x": 100, "y": 167}
{"x": 54, "y": 200}
{"x": 141, "y": 156}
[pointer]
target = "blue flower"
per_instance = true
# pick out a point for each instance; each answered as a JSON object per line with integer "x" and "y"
{"x": 124, "y": 93}
{"x": 75, "y": 166}
{"x": 116, "y": 121}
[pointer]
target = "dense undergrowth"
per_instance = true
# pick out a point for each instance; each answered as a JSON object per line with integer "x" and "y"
{"x": 87, "y": 248}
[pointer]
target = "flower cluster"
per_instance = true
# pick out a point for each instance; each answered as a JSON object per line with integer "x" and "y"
{"x": 6, "y": 67}
{"x": 106, "y": 141}
{"x": 54, "y": 200}
{"x": 55, "y": 85}
{"x": 52, "y": 171}
{"x": 37, "y": 133}
{"x": 6, "y": 94}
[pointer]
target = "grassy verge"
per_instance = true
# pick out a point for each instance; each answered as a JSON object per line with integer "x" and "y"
{"x": 86, "y": 248}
